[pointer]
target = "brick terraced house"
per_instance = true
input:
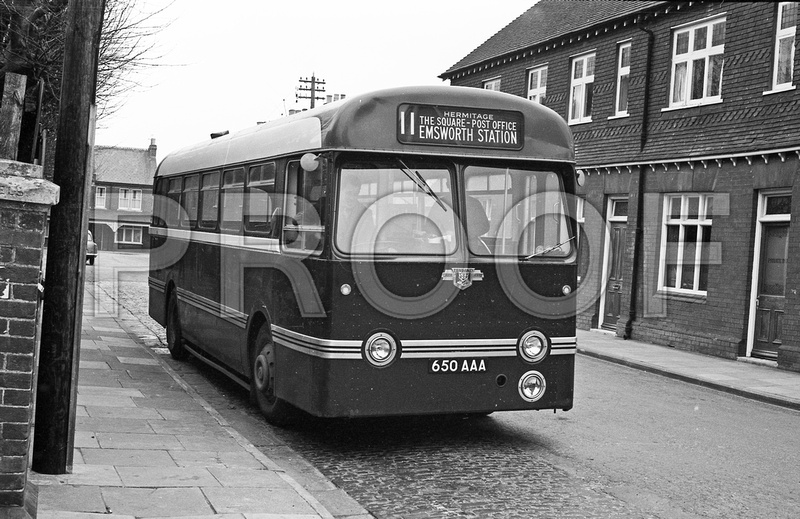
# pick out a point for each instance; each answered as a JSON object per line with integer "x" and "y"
{"x": 686, "y": 119}
{"x": 122, "y": 205}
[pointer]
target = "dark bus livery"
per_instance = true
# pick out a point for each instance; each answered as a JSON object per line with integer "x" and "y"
{"x": 407, "y": 251}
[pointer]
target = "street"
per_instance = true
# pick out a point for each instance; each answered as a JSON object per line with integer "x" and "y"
{"x": 635, "y": 444}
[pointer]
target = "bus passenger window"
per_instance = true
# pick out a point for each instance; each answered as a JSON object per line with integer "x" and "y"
{"x": 232, "y": 199}
{"x": 261, "y": 199}
{"x": 191, "y": 194}
{"x": 209, "y": 200}
{"x": 305, "y": 208}
{"x": 173, "y": 207}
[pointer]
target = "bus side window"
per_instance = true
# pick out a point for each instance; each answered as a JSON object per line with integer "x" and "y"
{"x": 232, "y": 199}
{"x": 260, "y": 198}
{"x": 209, "y": 200}
{"x": 159, "y": 191}
{"x": 305, "y": 208}
{"x": 191, "y": 193}
{"x": 173, "y": 209}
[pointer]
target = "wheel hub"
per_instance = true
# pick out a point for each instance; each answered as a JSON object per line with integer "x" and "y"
{"x": 262, "y": 373}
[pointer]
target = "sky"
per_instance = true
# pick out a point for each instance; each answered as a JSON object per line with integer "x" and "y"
{"x": 227, "y": 65}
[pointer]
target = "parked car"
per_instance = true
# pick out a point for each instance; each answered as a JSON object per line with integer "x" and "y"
{"x": 91, "y": 248}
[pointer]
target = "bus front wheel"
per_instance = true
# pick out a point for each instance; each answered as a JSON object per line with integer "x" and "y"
{"x": 264, "y": 371}
{"x": 174, "y": 334}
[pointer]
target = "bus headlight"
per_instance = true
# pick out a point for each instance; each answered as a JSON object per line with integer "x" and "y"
{"x": 380, "y": 349}
{"x": 532, "y": 386}
{"x": 533, "y": 346}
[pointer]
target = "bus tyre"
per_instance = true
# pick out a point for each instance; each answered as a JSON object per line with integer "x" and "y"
{"x": 275, "y": 410}
{"x": 174, "y": 335}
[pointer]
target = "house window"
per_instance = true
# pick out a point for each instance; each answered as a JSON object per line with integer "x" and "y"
{"x": 581, "y": 89}
{"x": 129, "y": 235}
{"x": 130, "y": 199}
{"x": 100, "y": 198}
{"x": 686, "y": 242}
{"x": 492, "y": 84}
{"x": 623, "y": 78}
{"x": 537, "y": 84}
{"x": 697, "y": 59}
{"x": 784, "y": 45}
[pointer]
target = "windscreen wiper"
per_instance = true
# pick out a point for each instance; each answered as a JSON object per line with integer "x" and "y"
{"x": 417, "y": 179}
{"x": 545, "y": 251}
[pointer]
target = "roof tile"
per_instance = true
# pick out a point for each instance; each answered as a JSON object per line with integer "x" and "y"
{"x": 124, "y": 165}
{"x": 546, "y": 20}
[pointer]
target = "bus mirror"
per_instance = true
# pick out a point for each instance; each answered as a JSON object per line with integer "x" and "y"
{"x": 580, "y": 177}
{"x": 309, "y": 162}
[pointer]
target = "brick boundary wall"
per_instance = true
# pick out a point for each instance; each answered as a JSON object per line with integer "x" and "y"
{"x": 24, "y": 207}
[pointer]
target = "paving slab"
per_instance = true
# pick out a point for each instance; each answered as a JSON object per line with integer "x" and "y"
{"x": 128, "y": 457}
{"x": 265, "y": 500}
{"x": 157, "y": 502}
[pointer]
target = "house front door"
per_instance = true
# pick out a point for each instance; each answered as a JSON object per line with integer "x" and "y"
{"x": 771, "y": 299}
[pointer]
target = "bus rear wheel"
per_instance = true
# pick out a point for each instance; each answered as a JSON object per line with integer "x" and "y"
{"x": 264, "y": 372}
{"x": 174, "y": 334}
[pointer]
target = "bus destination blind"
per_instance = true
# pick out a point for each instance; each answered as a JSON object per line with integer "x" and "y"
{"x": 454, "y": 126}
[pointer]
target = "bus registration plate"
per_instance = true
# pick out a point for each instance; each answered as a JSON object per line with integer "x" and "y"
{"x": 457, "y": 366}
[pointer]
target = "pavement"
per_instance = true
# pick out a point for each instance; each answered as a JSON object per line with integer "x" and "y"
{"x": 147, "y": 445}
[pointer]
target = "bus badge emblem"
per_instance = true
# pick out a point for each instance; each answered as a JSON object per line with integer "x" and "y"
{"x": 462, "y": 277}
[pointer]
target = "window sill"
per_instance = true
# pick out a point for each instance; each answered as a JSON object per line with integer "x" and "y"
{"x": 696, "y": 105}
{"x": 686, "y": 297}
{"x": 619, "y": 116}
{"x": 578, "y": 123}
{"x": 780, "y": 89}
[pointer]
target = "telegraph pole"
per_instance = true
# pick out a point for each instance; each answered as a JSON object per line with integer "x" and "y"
{"x": 66, "y": 260}
{"x": 311, "y": 87}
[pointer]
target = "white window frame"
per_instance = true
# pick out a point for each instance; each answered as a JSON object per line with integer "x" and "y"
{"x": 537, "y": 91}
{"x": 130, "y": 199}
{"x": 100, "y": 197}
{"x": 579, "y": 88}
{"x": 703, "y": 219}
{"x": 687, "y": 61}
{"x": 623, "y": 72}
{"x": 136, "y": 232}
{"x": 781, "y": 35}
{"x": 136, "y": 199}
{"x": 492, "y": 84}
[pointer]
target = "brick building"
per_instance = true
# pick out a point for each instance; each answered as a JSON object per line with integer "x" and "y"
{"x": 122, "y": 201}
{"x": 686, "y": 118}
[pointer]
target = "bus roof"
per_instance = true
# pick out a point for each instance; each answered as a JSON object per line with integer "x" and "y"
{"x": 427, "y": 120}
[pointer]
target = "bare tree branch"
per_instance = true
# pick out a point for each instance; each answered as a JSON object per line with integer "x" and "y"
{"x": 32, "y": 43}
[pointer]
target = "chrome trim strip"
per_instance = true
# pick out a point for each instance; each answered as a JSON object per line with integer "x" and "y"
{"x": 156, "y": 284}
{"x": 414, "y": 349}
{"x": 204, "y": 304}
{"x": 563, "y": 345}
{"x": 235, "y": 241}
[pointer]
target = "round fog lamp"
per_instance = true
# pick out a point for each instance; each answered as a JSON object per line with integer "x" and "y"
{"x": 533, "y": 346}
{"x": 532, "y": 386}
{"x": 380, "y": 349}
